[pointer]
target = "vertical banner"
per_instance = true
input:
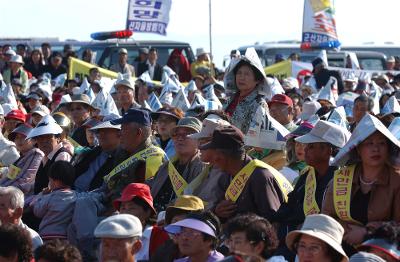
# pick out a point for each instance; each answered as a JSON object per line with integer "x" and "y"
{"x": 319, "y": 25}
{"x": 148, "y": 16}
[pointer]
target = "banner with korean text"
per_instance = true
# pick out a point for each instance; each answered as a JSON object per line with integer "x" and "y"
{"x": 148, "y": 16}
{"x": 319, "y": 25}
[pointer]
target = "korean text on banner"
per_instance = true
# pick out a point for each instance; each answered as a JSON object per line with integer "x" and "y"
{"x": 319, "y": 25}
{"x": 148, "y": 16}
{"x": 79, "y": 68}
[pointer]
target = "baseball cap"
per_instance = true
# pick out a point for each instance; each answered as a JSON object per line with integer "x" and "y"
{"x": 34, "y": 95}
{"x": 189, "y": 122}
{"x": 326, "y": 132}
{"x": 16, "y": 114}
{"x": 22, "y": 129}
{"x": 41, "y": 110}
{"x": 119, "y": 226}
{"x": 133, "y": 190}
{"x": 187, "y": 203}
{"x": 169, "y": 111}
{"x": 124, "y": 82}
{"x": 281, "y": 99}
{"x": 106, "y": 123}
{"x": 225, "y": 137}
{"x": 134, "y": 116}
{"x": 209, "y": 125}
{"x": 144, "y": 50}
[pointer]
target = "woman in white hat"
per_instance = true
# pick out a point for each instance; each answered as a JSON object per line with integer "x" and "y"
{"x": 15, "y": 71}
{"x": 365, "y": 192}
{"x": 318, "y": 240}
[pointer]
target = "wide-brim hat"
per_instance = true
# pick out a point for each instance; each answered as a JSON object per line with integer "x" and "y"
{"x": 322, "y": 227}
{"x": 366, "y": 127}
{"x": 82, "y": 99}
{"x": 16, "y": 59}
{"x": 46, "y": 126}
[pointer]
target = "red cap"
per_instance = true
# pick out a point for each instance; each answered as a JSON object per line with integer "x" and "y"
{"x": 16, "y": 114}
{"x": 281, "y": 99}
{"x": 135, "y": 190}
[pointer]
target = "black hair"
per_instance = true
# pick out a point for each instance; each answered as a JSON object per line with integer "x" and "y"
{"x": 257, "y": 74}
{"x": 212, "y": 221}
{"x": 153, "y": 49}
{"x": 15, "y": 241}
{"x": 46, "y": 45}
{"x": 93, "y": 69}
{"x": 58, "y": 251}
{"x": 390, "y": 231}
{"x": 62, "y": 171}
{"x": 365, "y": 99}
{"x": 257, "y": 229}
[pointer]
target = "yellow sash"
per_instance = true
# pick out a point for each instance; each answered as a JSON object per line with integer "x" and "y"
{"x": 178, "y": 182}
{"x": 342, "y": 182}
{"x": 152, "y": 155}
{"x": 13, "y": 172}
{"x": 310, "y": 205}
{"x": 238, "y": 183}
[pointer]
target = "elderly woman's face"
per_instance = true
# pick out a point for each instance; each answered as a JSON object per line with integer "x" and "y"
{"x": 374, "y": 150}
{"x": 245, "y": 79}
{"x": 312, "y": 249}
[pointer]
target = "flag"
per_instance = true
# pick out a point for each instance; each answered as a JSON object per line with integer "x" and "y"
{"x": 181, "y": 101}
{"x": 166, "y": 95}
{"x": 197, "y": 101}
{"x": 391, "y": 106}
{"x": 338, "y": 117}
{"x": 154, "y": 102}
{"x": 352, "y": 61}
{"x": 319, "y": 25}
{"x": 150, "y": 16}
{"x": 105, "y": 104}
{"x": 7, "y": 95}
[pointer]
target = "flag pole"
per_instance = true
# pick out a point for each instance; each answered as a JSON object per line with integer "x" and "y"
{"x": 210, "y": 37}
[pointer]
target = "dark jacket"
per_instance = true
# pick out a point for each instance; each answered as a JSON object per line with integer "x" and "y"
{"x": 54, "y": 72}
{"x": 35, "y": 70}
{"x": 79, "y": 135}
{"x": 83, "y": 161}
{"x": 323, "y": 77}
{"x": 143, "y": 67}
{"x": 261, "y": 194}
{"x": 292, "y": 212}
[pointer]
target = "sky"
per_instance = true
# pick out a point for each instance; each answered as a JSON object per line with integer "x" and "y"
{"x": 234, "y": 22}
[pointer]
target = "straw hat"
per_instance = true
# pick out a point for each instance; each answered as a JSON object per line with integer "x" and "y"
{"x": 322, "y": 227}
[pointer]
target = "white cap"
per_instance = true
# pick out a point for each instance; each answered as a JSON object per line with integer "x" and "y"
{"x": 309, "y": 109}
{"x": 10, "y": 52}
{"x": 366, "y": 127}
{"x": 46, "y": 126}
{"x": 41, "y": 110}
{"x": 326, "y": 132}
{"x": 209, "y": 125}
{"x": 106, "y": 123}
{"x": 1, "y": 110}
{"x": 290, "y": 83}
{"x": 119, "y": 226}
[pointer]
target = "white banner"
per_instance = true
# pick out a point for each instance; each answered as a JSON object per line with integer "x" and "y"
{"x": 148, "y": 16}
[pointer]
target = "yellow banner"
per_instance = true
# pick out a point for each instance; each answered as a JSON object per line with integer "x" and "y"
{"x": 342, "y": 182}
{"x": 239, "y": 181}
{"x": 152, "y": 155}
{"x": 310, "y": 205}
{"x": 280, "y": 70}
{"x": 79, "y": 68}
{"x": 178, "y": 182}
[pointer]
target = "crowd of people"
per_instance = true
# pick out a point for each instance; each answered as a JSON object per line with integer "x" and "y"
{"x": 206, "y": 166}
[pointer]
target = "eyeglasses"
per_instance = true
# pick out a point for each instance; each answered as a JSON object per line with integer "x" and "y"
{"x": 313, "y": 249}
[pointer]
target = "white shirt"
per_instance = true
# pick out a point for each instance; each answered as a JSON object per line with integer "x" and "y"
{"x": 151, "y": 69}
{"x": 143, "y": 253}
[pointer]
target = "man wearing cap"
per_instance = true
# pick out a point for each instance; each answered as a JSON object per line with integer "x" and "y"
{"x": 13, "y": 119}
{"x": 91, "y": 166}
{"x": 122, "y": 66}
{"x": 306, "y": 198}
{"x": 16, "y": 71}
{"x": 143, "y": 159}
{"x": 201, "y": 61}
{"x": 322, "y": 74}
{"x": 8, "y": 151}
{"x": 255, "y": 186}
{"x": 120, "y": 238}
{"x": 209, "y": 185}
{"x": 55, "y": 68}
{"x": 281, "y": 108}
{"x": 79, "y": 109}
{"x": 126, "y": 96}
{"x": 34, "y": 100}
{"x": 38, "y": 113}
{"x": 151, "y": 65}
{"x": 177, "y": 174}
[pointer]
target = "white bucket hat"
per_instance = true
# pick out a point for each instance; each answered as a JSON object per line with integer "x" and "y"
{"x": 322, "y": 227}
{"x": 366, "y": 127}
{"x": 16, "y": 59}
{"x": 326, "y": 132}
{"x": 106, "y": 123}
{"x": 309, "y": 109}
{"x": 45, "y": 127}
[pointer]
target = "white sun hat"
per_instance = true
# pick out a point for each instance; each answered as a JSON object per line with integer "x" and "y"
{"x": 322, "y": 227}
{"x": 366, "y": 127}
{"x": 45, "y": 127}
